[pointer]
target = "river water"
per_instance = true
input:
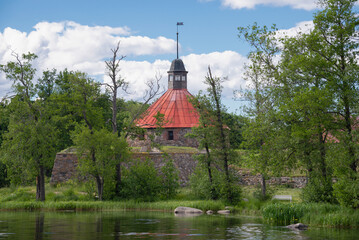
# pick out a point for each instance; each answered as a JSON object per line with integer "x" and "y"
{"x": 150, "y": 225}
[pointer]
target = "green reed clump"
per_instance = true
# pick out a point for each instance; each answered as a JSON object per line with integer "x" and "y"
{"x": 281, "y": 213}
{"x": 341, "y": 217}
{"x": 315, "y": 214}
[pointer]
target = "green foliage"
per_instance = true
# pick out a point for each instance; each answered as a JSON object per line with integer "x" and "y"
{"x": 200, "y": 184}
{"x": 170, "y": 179}
{"x": 141, "y": 181}
{"x": 346, "y": 191}
{"x": 319, "y": 214}
{"x": 304, "y": 97}
{"x": 318, "y": 190}
{"x": 19, "y": 195}
{"x": 284, "y": 213}
{"x": 97, "y": 150}
{"x": 202, "y": 188}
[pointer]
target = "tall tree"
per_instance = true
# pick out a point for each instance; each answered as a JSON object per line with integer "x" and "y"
{"x": 117, "y": 83}
{"x": 221, "y": 148}
{"x": 29, "y": 144}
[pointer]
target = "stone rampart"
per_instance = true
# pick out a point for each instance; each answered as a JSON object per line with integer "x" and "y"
{"x": 66, "y": 163}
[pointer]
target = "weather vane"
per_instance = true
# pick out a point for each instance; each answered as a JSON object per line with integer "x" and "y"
{"x": 178, "y": 24}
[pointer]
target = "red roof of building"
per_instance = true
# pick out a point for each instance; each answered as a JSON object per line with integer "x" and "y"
{"x": 178, "y": 111}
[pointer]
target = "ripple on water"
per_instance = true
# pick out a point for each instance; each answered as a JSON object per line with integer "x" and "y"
{"x": 252, "y": 231}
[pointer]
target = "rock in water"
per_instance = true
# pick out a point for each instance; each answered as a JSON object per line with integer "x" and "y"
{"x": 209, "y": 212}
{"x": 224, "y": 212}
{"x": 187, "y": 210}
{"x": 299, "y": 226}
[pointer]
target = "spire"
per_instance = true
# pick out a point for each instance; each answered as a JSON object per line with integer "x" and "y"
{"x": 178, "y": 24}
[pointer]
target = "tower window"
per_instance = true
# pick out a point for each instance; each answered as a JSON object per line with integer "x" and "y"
{"x": 177, "y": 78}
{"x": 183, "y": 78}
{"x": 170, "y": 78}
{"x": 170, "y": 135}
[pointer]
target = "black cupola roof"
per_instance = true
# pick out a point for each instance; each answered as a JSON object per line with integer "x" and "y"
{"x": 177, "y": 66}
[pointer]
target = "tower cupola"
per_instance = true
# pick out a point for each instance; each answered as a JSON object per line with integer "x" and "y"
{"x": 177, "y": 75}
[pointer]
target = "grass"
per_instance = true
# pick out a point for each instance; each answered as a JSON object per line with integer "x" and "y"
{"x": 110, "y": 206}
{"x": 75, "y": 197}
{"x": 174, "y": 149}
{"x": 314, "y": 214}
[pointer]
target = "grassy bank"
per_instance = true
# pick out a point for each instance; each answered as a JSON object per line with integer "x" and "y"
{"x": 75, "y": 197}
{"x": 313, "y": 214}
{"x": 109, "y": 206}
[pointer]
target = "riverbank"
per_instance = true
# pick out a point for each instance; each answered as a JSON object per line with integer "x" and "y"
{"x": 72, "y": 197}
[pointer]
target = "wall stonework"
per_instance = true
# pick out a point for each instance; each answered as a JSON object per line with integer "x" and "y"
{"x": 64, "y": 168}
{"x": 294, "y": 182}
{"x": 66, "y": 163}
{"x": 179, "y": 138}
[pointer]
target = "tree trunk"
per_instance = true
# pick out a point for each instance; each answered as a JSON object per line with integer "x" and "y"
{"x": 220, "y": 126}
{"x": 209, "y": 169}
{"x": 118, "y": 178}
{"x": 99, "y": 182}
{"x": 40, "y": 185}
{"x": 263, "y": 186}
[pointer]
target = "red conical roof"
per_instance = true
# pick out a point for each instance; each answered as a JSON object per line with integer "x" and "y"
{"x": 178, "y": 111}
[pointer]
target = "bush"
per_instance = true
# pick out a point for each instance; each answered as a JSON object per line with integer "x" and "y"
{"x": 318, "y": 190}
{"x": 170, "y": 178}
{"x": 202, "y": 189}
{"x": 200, "y": 184}
{"x": 141, "y": 182}
{"x": 346, "y": 190}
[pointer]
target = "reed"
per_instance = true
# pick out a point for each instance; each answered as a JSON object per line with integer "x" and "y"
{"x": 314, "y": 214}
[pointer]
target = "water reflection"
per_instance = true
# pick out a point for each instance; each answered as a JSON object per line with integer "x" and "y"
{"x": 39, "y": 229}
{"x": 150, "y": 225}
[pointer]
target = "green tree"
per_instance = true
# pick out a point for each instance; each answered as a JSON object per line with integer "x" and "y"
{"x": 315, "y": 89}
{"x": 203, "y": 134}
{"x": 28, "y": 146}
{"x": 213, "y": 135}
{"x": 97, "y": 150}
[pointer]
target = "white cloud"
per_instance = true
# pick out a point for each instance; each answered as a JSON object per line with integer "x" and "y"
{"x": 227, "y": 64}
{"x": 301, "y": 27}
{"x": 74, "y": 46}
{"x": 223, "y": 64}
{"x": 250, "y": 4}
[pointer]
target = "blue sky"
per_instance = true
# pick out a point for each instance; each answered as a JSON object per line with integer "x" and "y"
{"x": 79, "y": 34}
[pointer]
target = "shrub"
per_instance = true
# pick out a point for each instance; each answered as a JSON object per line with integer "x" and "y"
{"x": 202, "y": 189}
{"x": 318, "y": 190}
{"x": 170, "y": 178}
{"x": 141, "y": 182}
{"x": 346, "y": 190}
{"x": 200, "y": 184}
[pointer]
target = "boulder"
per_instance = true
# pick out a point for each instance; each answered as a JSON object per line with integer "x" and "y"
{"x": 224, "y": 212}
{"x": 299, "y": 226}
{"x": 209, "y": 212}
{"x": 188, "y": 210}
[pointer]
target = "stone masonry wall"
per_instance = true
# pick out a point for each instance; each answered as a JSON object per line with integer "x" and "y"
{"x": 65, "y": 169}
{"x": 65, "y": 165}
{"x": 179, "y": 138}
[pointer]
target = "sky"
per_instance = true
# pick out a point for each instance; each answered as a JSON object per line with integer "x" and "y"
{"x": 79, "y": 35}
